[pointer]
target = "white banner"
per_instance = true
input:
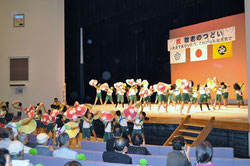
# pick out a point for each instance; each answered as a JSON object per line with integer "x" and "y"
{"x": 198, "y": 53}
{"x": 206, "y": 38}
{"x": 178, "y": 56}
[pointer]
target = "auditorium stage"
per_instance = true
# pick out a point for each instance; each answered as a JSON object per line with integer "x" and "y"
{"x": 230, "y": 118}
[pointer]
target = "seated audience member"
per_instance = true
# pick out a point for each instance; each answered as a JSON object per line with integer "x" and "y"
{"x": 24, "y": 138}
{"x": 118, "y": 156}
{"x": 42, "y": 145}
{"x": 7, "y": 136}
{"x": 16, "y": 154}
{"x": 5, "y": 158}
{"x": 110, "y": 142}
{"x": 73, "y": 163}
{"x": 179, "y": 156}
{"x": 204, "y": 154}
{"x": 64, "y": 150}
{"x": 136, "y": 148}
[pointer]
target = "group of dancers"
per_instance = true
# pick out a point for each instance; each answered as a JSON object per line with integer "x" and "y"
{"x": 181, "y": 92}
{"x": 84, "y": 123}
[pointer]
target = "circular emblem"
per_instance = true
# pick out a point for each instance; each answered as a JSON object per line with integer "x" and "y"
{"x": 177, "y": 56}
{"x": 198, "y": 53}
{"x": 222, "y": 50}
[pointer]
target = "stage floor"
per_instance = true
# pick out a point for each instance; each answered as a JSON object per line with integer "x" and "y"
{"x": 225, "y": 118}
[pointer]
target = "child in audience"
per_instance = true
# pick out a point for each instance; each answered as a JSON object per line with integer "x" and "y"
{"x": 239, "y": 95}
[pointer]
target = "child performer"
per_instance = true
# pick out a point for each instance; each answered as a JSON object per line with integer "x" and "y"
{"x": 138, "y": 126}
{"x": 208, "y": 93}
{"x": 108, "y": 129}
{"x": 109, "y": 96}
{"x": 132, "y": 92}
{"x": 18, "y": 105}
{"x": 203, "y": 97}
{"x": 120, "y": 96}
{"x": 13, "y": 124}
{"x": 225, "y": 93}
{"x": 162, "y": 100}
{"x": 218, "y": 97}
{"x": 37, "y": 117}
{"x": 147, "y": 100}
{"x": 171, "y": 94}
{"x": 87, "y": 122}
{"x": 177, "y": 96}
{"x": 185, "y": 96}
{"x": 98, "y": 93}
{"x": 60, "y": 127}
{"x": 124, "y": 124}
{"x": 194, "y": 99}
{"x": 239, "y": 95}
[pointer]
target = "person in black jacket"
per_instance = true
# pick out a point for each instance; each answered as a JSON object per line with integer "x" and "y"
{"x": 136, "y": 148}
{"x": 118, "y": 156}
{"x": 179, "y": 156}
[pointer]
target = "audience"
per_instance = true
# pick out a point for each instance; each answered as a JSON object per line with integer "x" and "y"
{"x": 204, "y": 154}
{"x": 110, "y": 142}
{"x": 7, "y": 136}
{"x": 136, "y": 148}
{"x": 42, "y": 145}
{"x": 73, "y": 163}
{"x": 16, "y": 154}
{"x": 118, "y": 156}
{"x": 24, "y": 138}
{"x": 179, "y": 156}
{"x": 5, "y": 158}
{"x": 64, "y": 150}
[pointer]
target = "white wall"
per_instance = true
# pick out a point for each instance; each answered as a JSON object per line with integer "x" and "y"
{"x": 42, "y": 39}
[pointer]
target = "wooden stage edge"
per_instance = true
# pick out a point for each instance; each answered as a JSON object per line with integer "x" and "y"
{"x": 229, "y": 117}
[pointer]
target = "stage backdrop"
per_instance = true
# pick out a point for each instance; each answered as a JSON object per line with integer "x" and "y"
{"x": 229, "y": 70}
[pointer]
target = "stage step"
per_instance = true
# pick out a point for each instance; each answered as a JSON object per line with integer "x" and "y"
{"x": 194, "y": 124}
{"x": 190, "y": 131}
{"x": 206, "y": 125}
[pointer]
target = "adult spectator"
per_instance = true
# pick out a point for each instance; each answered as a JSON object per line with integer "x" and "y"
{"x": 24, "y": 138}
{"x": 42, "y": 145}
{"x": 7, "y": 136}
{"x": 116, "y": 135}
{"x": 136, "y": 148}
{"x": 179, "y": 156}
{"x": 118, "y": 156}
{"x": 16, "y": 154}
{"x": 204, "y": 154}
{"x": 64, "y": 150}
{"x": 73, "y": 163}
{"x": 5, "y": 157}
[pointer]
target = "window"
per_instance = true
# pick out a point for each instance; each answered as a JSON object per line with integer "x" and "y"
{"x": 19, "y": 68}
